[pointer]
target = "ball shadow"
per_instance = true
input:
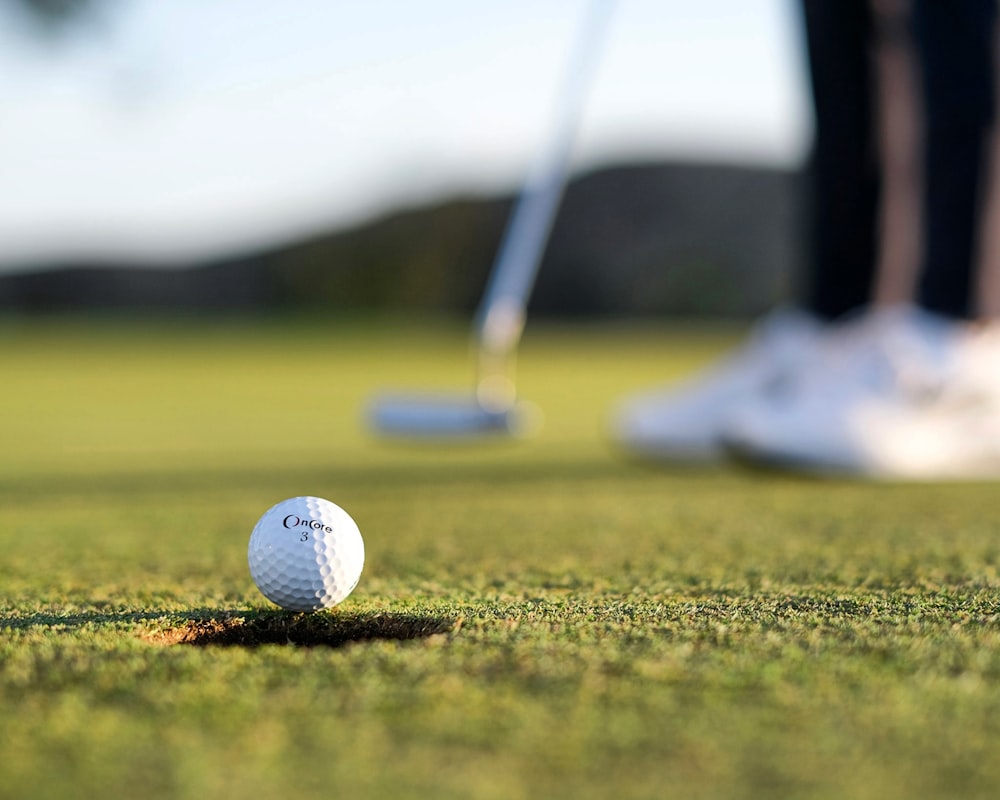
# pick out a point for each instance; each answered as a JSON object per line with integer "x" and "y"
{"x": 324, "y": 629}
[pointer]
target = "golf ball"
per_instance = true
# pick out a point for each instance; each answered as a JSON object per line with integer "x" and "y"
{"x": 305, "y": 554}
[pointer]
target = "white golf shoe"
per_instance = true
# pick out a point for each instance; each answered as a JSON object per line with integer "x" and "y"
{"x": 896, "y": 395}
{"x": 683, "y": 422}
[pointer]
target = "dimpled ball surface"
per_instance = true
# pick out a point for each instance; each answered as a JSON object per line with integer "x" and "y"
{"x": 306, "y": 554}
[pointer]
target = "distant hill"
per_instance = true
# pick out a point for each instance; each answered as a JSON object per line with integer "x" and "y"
{"x": 648, "y": 239}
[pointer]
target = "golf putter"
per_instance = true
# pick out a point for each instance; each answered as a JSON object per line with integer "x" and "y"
{"x": 493, "y": 406}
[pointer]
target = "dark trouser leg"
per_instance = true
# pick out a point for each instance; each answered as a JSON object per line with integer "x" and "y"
{"x": 844, "y": 166}
{"x": 956, "y": 46}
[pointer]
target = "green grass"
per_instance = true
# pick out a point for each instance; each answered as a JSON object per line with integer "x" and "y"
{"x": 538, "y": 619}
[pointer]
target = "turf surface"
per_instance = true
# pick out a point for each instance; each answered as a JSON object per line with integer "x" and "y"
{"x": 538, "y": 619}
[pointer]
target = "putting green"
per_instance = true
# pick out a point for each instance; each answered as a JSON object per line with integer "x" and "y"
{"x": 536, "y": 619}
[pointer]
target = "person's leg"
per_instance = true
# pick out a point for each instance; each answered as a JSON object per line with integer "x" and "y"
{"x": 956, "y": 46}
{"x": 987, "y": 291}
{"x": 900, "y": 149}
{"x": 681, "y": 422}
{"x": 919, "y": 398}
{"x": 844, "y": 167}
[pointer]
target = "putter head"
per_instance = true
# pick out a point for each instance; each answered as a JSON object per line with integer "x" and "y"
{"x": 448, "y": 417}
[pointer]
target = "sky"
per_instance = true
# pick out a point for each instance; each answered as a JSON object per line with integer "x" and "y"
{"x": 174, "y": 132}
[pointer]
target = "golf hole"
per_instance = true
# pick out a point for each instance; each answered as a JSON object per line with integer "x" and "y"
{"x": 301, "y": 630}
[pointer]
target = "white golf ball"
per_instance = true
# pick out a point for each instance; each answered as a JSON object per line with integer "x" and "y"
{"x": 305, "y": 554}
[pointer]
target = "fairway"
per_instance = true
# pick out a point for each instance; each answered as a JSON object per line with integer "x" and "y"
{"x": 538, "y": 619}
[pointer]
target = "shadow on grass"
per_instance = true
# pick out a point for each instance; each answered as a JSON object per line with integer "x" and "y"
{"x": 204, "y": 627}
{"x": 437, "y": 468}
{"x": 303, "y": 630}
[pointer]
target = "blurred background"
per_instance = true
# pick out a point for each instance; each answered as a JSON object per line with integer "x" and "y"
{"x": 350, "y": 157}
